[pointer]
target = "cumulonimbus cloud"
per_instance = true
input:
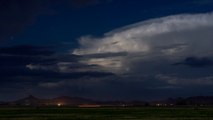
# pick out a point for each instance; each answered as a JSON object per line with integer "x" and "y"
{"x": 172, "y": 38}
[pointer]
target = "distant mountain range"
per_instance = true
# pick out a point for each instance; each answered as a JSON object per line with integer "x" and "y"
{"x": 85, "y": 102}
{"x": 59, "y": 101}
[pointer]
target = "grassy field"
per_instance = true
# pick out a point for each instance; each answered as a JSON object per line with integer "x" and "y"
{"x": 146, "y": 113}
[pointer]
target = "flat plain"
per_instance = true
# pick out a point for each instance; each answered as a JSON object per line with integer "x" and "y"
{"x": 129, "y": 113}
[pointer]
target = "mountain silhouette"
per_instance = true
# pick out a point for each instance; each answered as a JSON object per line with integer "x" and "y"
{"x": 63, "y": 100}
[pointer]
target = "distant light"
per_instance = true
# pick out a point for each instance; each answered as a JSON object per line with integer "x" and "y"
{"x": 59, "y": 104}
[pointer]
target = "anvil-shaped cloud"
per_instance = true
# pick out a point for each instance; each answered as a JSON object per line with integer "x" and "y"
{"x": 171, "y": 38}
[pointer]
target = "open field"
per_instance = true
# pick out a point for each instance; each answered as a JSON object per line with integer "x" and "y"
{"x": 146, "y": 113}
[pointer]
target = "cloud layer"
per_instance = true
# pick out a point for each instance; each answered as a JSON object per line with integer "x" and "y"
{"x": 164, "y": 57}
{"x": 171, "y": 38}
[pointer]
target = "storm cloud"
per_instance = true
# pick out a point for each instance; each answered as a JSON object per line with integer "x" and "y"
{"x": 196, "y": 62}
{"x": 161, "y": 56}
{"x": 169, "y": 38}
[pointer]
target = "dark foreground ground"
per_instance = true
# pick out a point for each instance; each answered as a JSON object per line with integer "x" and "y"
{"x": 146, "y": 113}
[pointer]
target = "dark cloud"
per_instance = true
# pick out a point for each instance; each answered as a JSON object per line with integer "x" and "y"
{"x": 11, "y": 57}
{"x": 196, "y": 62}
{"x": 106, "y": 55}
{"x": 42, "y": 75}
{"x": 13, "y": 60}
{"x": 36, "y": 61}
{"x": 27, "y": 50}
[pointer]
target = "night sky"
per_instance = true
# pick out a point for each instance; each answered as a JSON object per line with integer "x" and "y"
{"x": 106, "y": 49}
